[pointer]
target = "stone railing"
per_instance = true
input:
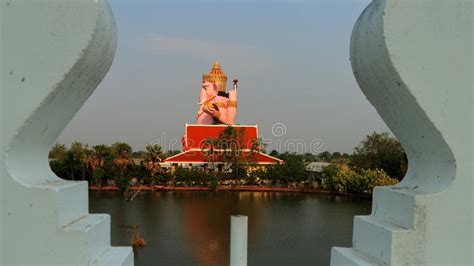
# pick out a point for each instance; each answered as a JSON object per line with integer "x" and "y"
{"x": 413, "y": 61}
{"x": 53, "y": 56}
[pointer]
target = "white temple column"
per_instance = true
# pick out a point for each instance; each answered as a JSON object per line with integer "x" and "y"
{"x": 413, "y": 61}
{"x": 53, "y": 56}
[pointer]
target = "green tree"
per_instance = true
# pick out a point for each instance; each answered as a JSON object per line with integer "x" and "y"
{"x": 101, "y": 154}
{"x": 325, "y": 156}
{"x": 231, "y": 144}
{"x": 97, "y": 176}
{"x": 80, "y": 153}
{"x": 58, "y": 152}
{"x": 86, "y": 161}
{"x": 122, "y": 152}
{"x": 152, "y": 158}
{"x": 188, "y": 176}
{"x": 309, "y": 157}
{"x": 74, "y": 161}
{"x": 101, "y": 161}
{"x": 229, "y": 147}
{"x": 57, "y": 157}
{"x": 380, "y": 151}
{"x": 292, "y": 170}
{"x": 274, "y": 153}
{"x": 336, "y": 155}
{"x": 328, "y": 176}
{"x": 210, "y": 149}
{"x": 153, "y": 152}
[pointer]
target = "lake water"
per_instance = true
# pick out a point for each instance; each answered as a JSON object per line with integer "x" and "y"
{"x": 193, "y": 228}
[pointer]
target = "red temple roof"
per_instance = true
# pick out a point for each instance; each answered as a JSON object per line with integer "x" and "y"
{"x": 197, "y": 156}
{"x": 196, "y": 135}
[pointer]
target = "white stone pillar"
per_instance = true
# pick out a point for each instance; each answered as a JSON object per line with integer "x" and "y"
{"x": 238, "y": 240}
{"x": 413, "y": 61}
{"x": 53, "y": 55}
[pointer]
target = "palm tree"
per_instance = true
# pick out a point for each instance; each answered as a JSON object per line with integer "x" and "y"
{"x": 57, "y": 158}
{"x": 97, "y": 159}
{"x": 75, "y": 158}
{"x": 229, "y": 146}
{"x": 122, "y": 153}
{"x": 210, "y": 149}
{"x": 99, "y": 153}
{"x": 86, "y": 156}
{"x": 231, "y": 141}
{"x": 58, "y": 152}
{"x": 153, "y": 157}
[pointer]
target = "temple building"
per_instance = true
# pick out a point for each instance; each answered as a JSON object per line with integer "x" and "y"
{"x": 215, "y": 136}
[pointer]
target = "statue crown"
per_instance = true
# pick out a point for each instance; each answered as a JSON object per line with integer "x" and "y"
{"x": 216, "y": 75}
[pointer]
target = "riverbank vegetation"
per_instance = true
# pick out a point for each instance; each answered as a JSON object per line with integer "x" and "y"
{"x": 379, "y": 160}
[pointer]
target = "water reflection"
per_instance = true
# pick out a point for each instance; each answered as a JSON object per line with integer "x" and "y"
{"x": 193, "y": 228}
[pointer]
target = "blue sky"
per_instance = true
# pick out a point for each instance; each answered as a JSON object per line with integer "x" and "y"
{"x": 291, "y": 58}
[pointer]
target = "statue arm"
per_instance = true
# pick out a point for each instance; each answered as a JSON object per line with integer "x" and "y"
{"x": 223, "y": 117}
{"x": 232, "y": 106}
{"x": 218, "y": 113}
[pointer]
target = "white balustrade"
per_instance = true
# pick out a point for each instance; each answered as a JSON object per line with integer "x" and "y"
{"x": 413, "y": 61}
{"x": 53, "y": 56}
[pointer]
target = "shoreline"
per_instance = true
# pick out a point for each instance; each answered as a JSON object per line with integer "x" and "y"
{"x": 229, "y": 188}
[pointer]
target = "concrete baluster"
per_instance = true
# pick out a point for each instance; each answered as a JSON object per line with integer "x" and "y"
{"x": 53, "y": 56}
{"x": 413, "y": 61}
{"x": 238, "y": 240}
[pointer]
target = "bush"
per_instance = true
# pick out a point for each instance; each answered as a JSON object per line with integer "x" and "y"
{"x": 349, "y": 181}
{"x": 212, "y": 181}
{"x": 292, "y": 170}
{"x": 139, "y": 171}
{"x": 122, "y": 182}
{"x": 327, "y": 176}
{"x": 164, "y": 178}
{"x": 378, "y": 177}
{"x": 97, "y": 176}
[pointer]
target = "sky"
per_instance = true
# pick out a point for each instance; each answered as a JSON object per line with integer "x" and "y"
{"x": 291, "y": 59}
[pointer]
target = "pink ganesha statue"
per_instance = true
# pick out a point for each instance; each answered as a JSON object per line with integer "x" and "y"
{"x": 215, "y": 105}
